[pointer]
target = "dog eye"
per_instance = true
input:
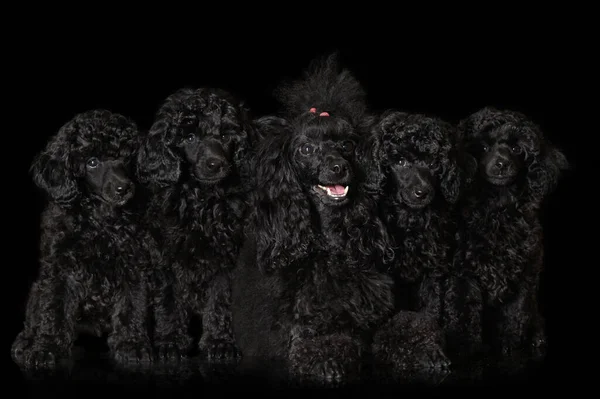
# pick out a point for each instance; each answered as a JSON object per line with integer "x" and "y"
{"x": 348, "y": 146}
{"x": 402, "y": 162}
{"x": 190, "y": 138}
{"x": 485, "y": 148}
{"x": 93, "y": 162}
{"x": 515, "y": 148}
{"x": 307, "y": 149}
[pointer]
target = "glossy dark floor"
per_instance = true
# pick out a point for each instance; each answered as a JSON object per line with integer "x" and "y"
{"x": 90, "y": 372}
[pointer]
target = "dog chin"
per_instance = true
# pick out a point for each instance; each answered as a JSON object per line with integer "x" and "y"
{"x": 415, "y": 204}
{"x": 119, "y": 202}
{"x": 209, "y": 181}
{"x": 333, "y": 195}
{"x": 500, "y": 180}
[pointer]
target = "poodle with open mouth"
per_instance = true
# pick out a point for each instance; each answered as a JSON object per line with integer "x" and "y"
{"x": 308, "y": 289}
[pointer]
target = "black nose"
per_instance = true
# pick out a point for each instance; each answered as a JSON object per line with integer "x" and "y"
{"x": 339, "y": 167}
{"x": 500, "y": 165}
{"x": 420, "y": 193}
{"x": 214, "y": 164}
{"x": 122, "y": 189}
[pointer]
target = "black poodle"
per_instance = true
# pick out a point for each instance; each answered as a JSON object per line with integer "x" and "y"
{"x": 501, "y": 252}
{"x": 421, "y": 176}
{"x": 308, "y": 290}
{"x": 193, "y": 164}
{"x": 95, "y": 256}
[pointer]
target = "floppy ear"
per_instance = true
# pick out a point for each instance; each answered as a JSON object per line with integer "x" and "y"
{"x": 369, "y": 158}
{"x": 157, "y": 165}
{"x": 546, "y": 172}
{"x": 282, "y": 214}
{"x": 52, "y": 171}
{"x": 452, "y": 176}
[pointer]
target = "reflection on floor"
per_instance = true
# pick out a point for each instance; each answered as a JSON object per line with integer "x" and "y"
{"x": 94, "y": 369}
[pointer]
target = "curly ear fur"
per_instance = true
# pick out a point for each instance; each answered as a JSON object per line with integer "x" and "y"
{"x": 369, "y": 159}
{"x": 326, "y": 87}
{"x": 282, "y": 212}
{"x": 52, "y": 170}
{"x": 546, "y": 170}
{"x": 156, "y": 164}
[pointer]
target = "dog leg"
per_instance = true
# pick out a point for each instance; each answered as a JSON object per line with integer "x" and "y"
{"x": 129, "y": 341}
{"x": 519, "y": 319}
{"x": 50, "y": 320}
{"x": 218, "y": 341}
{"x": 25, "y": 338}
{"x": 171, "y": 339}
{"x": 462, "y": 317}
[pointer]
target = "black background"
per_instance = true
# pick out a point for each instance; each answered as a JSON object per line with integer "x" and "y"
{"x": 532, "y": 70}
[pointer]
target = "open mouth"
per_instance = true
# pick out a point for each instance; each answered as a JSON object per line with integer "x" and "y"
{"x": 336, "y": 191}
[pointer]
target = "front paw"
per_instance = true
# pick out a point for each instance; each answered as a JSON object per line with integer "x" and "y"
{"x": 432, "y": 358}
{"x": 130, "y": 352}
{"x": 44, "y": 354}
{"x": 19, "y": 346}
{"x": 168, "y": 352}
{"x": 219, "y": 349}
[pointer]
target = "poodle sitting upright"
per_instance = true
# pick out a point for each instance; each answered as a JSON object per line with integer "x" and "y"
{"x": 95, "y": 257}
{"x": 421, "y": 178}
{"x": 501, "y": 253}
{"x": 193, "y": 162}
{"x": 310, "y": 290}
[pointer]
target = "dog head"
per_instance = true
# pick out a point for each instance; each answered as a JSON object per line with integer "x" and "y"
{"x": 417, "y": 159}
{"x": 201, "y": 134}
{"x": 511, "y": 151}
{"x": 93, "y": 155}
{"x": 307, "y": 172}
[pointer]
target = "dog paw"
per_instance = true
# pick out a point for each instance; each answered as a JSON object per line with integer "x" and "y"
{"x": 44, "y": 355}
{"x": 434, "y": 359}
{"x": 330, "y": 370}
{"x": 19, "y": 347}
{"x": 217, "y": 349}
{"x": 168, "y": 352}
{"x": 128, "y": 352}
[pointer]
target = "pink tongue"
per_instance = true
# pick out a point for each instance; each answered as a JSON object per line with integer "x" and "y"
{"x": 337, "y": 189}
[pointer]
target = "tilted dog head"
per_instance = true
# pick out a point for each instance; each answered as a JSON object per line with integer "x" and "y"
{"x": 307, "y": 172}
{"x": 93, "y": 155}
{"x": 201, "y": 134}
{"x": 511, "y": 151}
{"x": 416, "y": 158}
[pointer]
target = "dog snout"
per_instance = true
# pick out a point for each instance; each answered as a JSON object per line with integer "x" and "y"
{"x": 338, "y": 167}
{"x": 215, "y": 164}
{"x": 421, "y": 192}
{"x": 499, "y": 164}
{"x": 123, "y": 188}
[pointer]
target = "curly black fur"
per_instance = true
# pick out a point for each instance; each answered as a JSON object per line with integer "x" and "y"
{"x": 316, "y": 254}
{"x": 95, "y": 257}
{"x": 501, "y": 254}
{"x": 194, "y": 163}
{"x": 420, "y": 175}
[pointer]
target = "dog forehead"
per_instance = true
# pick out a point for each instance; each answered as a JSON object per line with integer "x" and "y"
{"x": 505, "y": 132}
{"x": 328, "y": 135}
